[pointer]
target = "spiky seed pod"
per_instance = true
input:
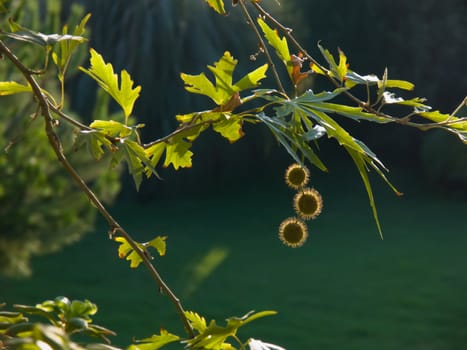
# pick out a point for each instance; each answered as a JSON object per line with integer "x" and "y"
{"x": 293, "y": 232}
{"x": 308, "y": 203}
{"x": 297, "y": 176}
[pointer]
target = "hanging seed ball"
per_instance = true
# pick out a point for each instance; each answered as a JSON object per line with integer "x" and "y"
{"x": 297, "y": 176}
{"x": 293, "y": 232}
{"x": 308, "y": 203}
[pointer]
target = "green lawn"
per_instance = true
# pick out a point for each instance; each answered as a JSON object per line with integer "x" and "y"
{"x": 345, "y": 289}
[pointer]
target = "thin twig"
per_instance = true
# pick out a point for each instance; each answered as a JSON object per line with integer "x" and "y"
{"x": 56, "y": 144}
{"x": 263, "y": 46}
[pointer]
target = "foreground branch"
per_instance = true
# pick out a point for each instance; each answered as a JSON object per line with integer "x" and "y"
{"x": 56, "y": 144}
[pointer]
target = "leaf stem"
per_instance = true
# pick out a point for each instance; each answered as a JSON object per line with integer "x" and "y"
{"x": 56, "y": 144}
{"x": 263, "y": 45}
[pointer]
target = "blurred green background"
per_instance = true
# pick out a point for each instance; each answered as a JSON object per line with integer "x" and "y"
{"x": 345, "y": 289}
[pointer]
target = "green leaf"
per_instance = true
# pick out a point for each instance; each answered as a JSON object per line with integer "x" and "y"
{"x": 63, "y": 53}
{"x": 200, "y": 84}
{"x": 230, "y": 128}
{"x": 252, "y": 79}
{"x": 154, "y": 153}
{"x": 95, "y": 141}
{"x": 125, "y": 250}
{"x": 451, "y": 123}
{"x": 417, "y": 102}
{"x": 154, "y": 342}
{"x": 336, "y": 70}
{"x": 178, "y": 153}
{"x": 217, "y": 5}
{"x": 279, "y": 44}
{"x": 342, "y": 67}
{"x": 197, "y": 322}
{"x": 213, "y": 337}
{"x": 157, "y": 243}
{"x": 137, "y": 160}
{"x": 360, "y": 162}
{"x": 111, "y": 128}
{"x": 223, "y": 91}
{"x": 24, "y": 34}
{"x": 122, "y": 91}
{"x": 400, "y": 84}
{"x": 12, "y": 87}
{"x": 291, "y": 141}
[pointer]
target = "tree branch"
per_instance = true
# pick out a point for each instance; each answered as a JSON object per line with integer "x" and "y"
{"x": 56, "y": 144}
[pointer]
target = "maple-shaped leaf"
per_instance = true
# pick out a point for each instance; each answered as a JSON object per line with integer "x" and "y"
{"x": 178, "y": 153}
{"x": 223, "y": 88}
{"x": 126, "y": 251}
{"x": 122, "y": 91}
{"x": 278, "y": 43}
{"x": 230, "y": 128}
{"x": 154, "y": 342}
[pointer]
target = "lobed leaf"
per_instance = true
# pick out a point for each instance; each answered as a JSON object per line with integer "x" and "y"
{"x": 278, "y": 43}
{"x": 111, "y": 128}
{"x": 154, "y": 342}
{"x": 230, "y": 128}
{"x": 121, "y": 90}
{"x": 178, "y": 153}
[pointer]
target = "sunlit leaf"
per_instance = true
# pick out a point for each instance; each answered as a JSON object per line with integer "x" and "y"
{"x": 154, "y": 153}
{"x": 126, "y": 251}
{"x": 157, "y": 243}
{"x": 252, "y": 79}
{"x": 342, "y": 66}
{"x": 217, "y": 5}
{"x": 121, "y": 90}
{"x": 400, "y": 84}
{"x": 12, "y": 87}
{"x": 223, "y": 92}
{"x": 360, "y": 163}
{"x": 200, "y": 84}
{"x": 336, "y": 70}
{"x": 417, "y": 102}
{"x": 278, "y": 43}
{"x": 178, "y": 153}
{"x": 213, "y": 337}
{"x": 111, "y": 128}
{"x": 154, "y": 342}
{"x": 230, "y": 128}
{"x": 63, "y": 53}
{"x": 197, "y": 322}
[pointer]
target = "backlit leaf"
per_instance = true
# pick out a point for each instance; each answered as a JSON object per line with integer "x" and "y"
{"x": 121, "y": 90}
{"x": 217, "y": 5}
{"x": 252, "y": 79}
{"x": 400, "y": 84}
{"x": 154, "y": 342}
{"x": 231, "y": 128}
{"x": 178, "y": 153}
{"x": 111, "y": 128}
{"x": 360, "y": 162}
{"x": 157, "y": 243}
{"x": 197, "y": 322}
{"x": 279, "y": 44}
{"x": 12, "y": 87}
{"x": 223, "y": 92}
{"x": 200, "y": 84}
